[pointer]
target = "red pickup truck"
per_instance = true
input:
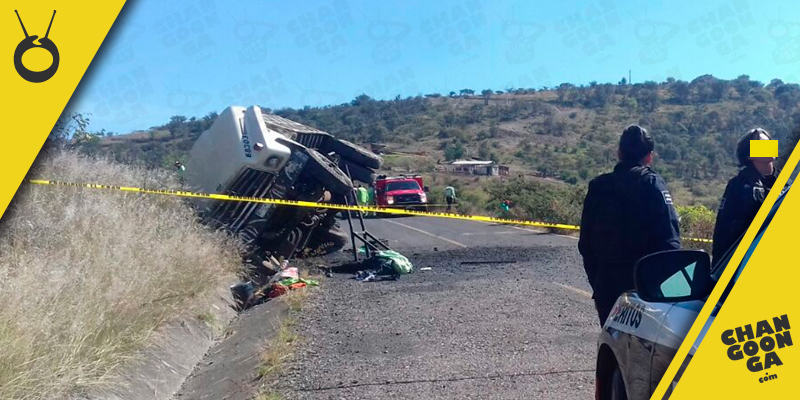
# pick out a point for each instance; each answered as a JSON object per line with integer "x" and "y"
{"x": 405, "y": 191}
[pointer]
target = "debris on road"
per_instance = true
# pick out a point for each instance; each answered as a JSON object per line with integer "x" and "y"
{"x": 284, "y": 280}
{"x": 287, "y": 273}
{"x": 426, "y": 269}
{"x": 388, "y": 263}
{"x": 282, "y": 287}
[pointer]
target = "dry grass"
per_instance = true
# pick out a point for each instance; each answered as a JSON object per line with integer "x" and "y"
{"x": 295, "y": 299}
{"x": 87, "y": 276}
{"x": 278, "y": 350}
{"x": 269, "y": 395}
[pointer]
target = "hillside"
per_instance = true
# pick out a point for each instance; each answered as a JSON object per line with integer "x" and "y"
{"x": 567, "y": 133}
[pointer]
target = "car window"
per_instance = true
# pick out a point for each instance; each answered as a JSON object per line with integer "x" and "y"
{"x": 405, "y": 185}
{"x": 680, "y": 283}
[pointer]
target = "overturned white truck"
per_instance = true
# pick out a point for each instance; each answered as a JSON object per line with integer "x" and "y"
{"x": 249, "y": 152}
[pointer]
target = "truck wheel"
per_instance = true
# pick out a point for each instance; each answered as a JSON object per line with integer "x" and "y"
{"x": 328, "y": 174}
{"x": 357, "y": 171}
{"x": 618, "y": 386}
{"x": 326, "y": 241}
{"x": 354, "y": 153}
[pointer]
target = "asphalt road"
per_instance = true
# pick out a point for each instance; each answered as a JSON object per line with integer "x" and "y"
{"x": 523, "y": 328}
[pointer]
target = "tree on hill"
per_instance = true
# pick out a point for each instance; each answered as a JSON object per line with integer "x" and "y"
{"x": 569, "y": 132}
{"x": 681, "y": 92}
{"x": 788, "y": 96}
{"x": 564, "y": 92}
{"x": 454, "y": 151}
{"x": 176, "y": 125}
{"x": 486, "y": 94}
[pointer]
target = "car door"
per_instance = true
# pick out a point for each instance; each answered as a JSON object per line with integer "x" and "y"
{"x": 635, "y": 324}
{"x": 675, "y": 326}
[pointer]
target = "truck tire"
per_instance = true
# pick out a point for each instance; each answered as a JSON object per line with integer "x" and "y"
{"x": 325, "y": 241}
{"x": 354, "y": 153}
{"x": 328, "y": 174}
{"x": 357, "y": 171}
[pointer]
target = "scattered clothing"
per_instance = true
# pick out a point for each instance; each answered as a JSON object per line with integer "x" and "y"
{"x": 388, "y": 263}
{"x": 366, "y": 276}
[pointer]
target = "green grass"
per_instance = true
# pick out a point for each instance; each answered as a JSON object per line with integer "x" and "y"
{"x": 278, "y": 350}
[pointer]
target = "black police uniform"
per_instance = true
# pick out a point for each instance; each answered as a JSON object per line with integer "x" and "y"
{"x": 739, "y": 205}
{"x": 627, "y": 215}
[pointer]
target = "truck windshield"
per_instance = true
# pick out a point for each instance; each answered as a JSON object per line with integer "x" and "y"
{"x": 402, "y": 185}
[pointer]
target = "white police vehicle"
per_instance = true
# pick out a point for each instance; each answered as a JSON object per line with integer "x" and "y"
{"x": 646, "y": 326}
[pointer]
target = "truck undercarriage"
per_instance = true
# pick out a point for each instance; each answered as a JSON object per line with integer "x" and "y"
{"x": 248, "y": 152}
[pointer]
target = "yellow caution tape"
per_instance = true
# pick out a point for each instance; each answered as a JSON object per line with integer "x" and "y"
{"x": 311, "y": 204}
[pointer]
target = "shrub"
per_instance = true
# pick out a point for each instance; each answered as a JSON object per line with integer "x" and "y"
{"x": 696, "y": 222}
{"x": 540, "y": 200}
{"x": 87, "y": 276}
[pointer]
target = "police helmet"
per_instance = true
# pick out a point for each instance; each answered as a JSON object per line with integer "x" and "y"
{"x": 743, "y": 147}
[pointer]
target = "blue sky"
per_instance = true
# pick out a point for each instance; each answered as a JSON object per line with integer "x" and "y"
{"x": 189, "y": 57}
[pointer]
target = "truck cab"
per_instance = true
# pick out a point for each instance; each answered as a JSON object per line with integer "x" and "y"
{"x": 252, "y": 153}
{"x": 401, "y": 191}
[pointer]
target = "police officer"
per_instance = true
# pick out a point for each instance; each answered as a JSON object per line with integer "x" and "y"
{"x": 627, "y": 214}
{"x": 744, "y": 193}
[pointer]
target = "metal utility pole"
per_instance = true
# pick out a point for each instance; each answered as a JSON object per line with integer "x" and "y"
{"x": 629, "y": 78}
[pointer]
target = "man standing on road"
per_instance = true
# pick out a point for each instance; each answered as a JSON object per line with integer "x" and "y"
{"x": 362, "y": 196}
{"x": 627, "y": 214}
{"x": 449, "y": 197}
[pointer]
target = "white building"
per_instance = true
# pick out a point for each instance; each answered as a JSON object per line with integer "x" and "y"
{"x": 477, "y": 167}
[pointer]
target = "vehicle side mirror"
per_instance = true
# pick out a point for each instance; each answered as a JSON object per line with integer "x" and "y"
{"x": 426, "y": 189}
{"x": 673, "y": 276}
